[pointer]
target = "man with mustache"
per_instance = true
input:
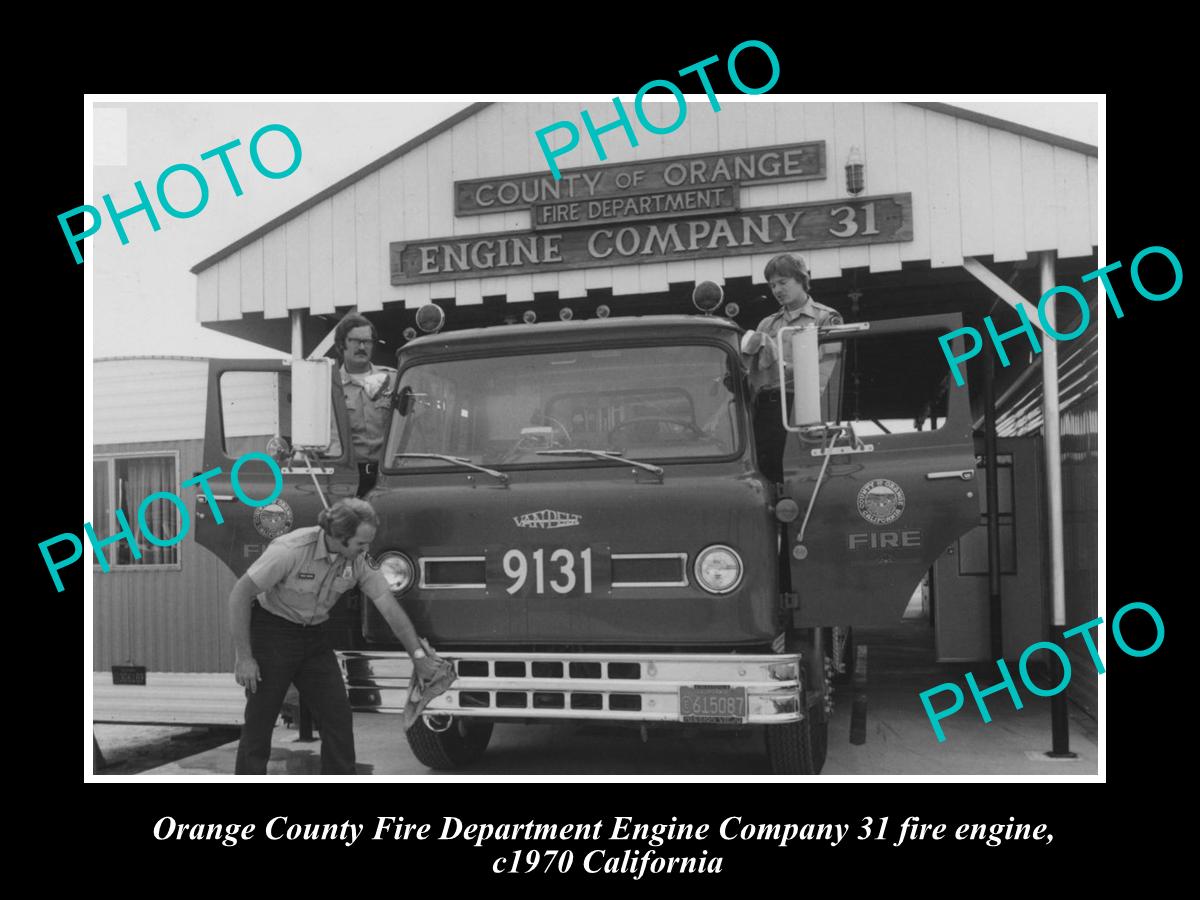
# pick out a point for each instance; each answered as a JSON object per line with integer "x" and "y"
{"x": 368, "y": 390}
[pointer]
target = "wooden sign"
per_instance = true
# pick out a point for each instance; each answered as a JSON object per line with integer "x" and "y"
{"x": 804, "y": 226}
{"x": 657, "y": 205}
{"x": 757, "y": 165}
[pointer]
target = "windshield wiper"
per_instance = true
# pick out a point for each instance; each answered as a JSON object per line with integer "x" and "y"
{"x": 605, "y": 454}
{"x": 457, "y": 460}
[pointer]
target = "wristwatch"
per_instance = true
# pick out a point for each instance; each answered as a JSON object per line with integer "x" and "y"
{"x": 419, "y": 653}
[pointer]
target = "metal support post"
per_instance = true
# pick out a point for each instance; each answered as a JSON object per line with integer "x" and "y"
{"x": 1059, "y": 726}
{"x": 992, "y": 493}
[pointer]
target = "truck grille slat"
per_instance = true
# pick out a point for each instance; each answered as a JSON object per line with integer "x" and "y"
{"x": 620, "y": 686}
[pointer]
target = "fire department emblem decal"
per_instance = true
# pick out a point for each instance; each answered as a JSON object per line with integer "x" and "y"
{"x": 547, "y": 518}
{"x": 881, "y": 501}
{"x": 273, "y": 519}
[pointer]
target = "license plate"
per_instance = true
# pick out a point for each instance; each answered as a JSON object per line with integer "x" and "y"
{"x": 715, "y": 704}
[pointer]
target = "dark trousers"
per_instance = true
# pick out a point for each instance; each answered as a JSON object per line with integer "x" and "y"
{"x": 770, "y": 437}
{"x": 295, "y": 654}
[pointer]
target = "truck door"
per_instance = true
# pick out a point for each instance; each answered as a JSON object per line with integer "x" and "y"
{"x": 889, "y": 502}
{"x": 249, "y": 403}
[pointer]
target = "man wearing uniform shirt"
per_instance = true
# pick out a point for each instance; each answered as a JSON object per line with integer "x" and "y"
{"x": 789, "y": 280}
{"x": 280, "y": 638}
{"x": 368, "y": 390}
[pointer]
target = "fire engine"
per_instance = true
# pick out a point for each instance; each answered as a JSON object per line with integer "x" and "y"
{"x": 573, "y": 514}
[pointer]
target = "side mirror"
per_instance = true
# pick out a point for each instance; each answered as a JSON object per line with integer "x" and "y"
{"x": 312, "y": 403}
{"x": 806, "y": 376}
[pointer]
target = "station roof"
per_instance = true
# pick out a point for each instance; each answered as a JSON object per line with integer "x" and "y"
{"x": 980, "y": 187}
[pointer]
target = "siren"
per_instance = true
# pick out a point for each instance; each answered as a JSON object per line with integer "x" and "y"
{"x": 431, "y": 318}
{"x": 707, "y": 296}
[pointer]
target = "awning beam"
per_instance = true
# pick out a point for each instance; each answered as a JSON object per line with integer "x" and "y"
{"x": 1002, "y": 289}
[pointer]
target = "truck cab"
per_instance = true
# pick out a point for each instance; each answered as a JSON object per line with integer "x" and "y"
{"x": 572, "y": 513}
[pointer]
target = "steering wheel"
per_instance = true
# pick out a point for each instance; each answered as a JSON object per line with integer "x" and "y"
{"x": 644, "y": 420}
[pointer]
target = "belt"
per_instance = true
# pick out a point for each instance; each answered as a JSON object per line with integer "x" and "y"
{"x": 368, "y": 468}
{"x": 258, "y": 611}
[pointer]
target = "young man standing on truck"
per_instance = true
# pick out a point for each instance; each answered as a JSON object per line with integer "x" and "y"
{"x": 789, "y": 280}
{"x": 280, "y": 638}
{"x": 368, "y": 391}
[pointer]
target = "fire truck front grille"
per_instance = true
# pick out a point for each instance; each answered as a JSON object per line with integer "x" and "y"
{"x": 634, "y": 570}
{"x": 440, "y": 572}
{"x": 615, "y": 687}
{"x": 629, "y": 570}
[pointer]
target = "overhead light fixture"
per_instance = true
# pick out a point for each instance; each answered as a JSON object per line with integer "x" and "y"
{"x": 854, "y": 172}
{"x": 602, "y": 311}
{"x": 565, "y": 314}
{"x": 529, "y": 317}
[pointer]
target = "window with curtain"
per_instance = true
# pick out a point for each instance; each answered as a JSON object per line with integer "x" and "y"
{"x": 124, "y": 483}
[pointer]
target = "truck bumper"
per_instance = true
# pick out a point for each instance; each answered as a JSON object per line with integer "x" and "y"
{"x": 634, "y": 687}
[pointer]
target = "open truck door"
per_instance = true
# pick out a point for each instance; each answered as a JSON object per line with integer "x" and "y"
{"x": 885, "y": 483}
{"x": 250, "y": 410}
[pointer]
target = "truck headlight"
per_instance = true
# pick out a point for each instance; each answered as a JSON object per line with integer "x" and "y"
{"x": 718, "y": 569}
{"x": 398, "y": 570}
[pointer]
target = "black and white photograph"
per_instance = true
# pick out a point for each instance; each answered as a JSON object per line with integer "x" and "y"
{"x": 693, "y": 432}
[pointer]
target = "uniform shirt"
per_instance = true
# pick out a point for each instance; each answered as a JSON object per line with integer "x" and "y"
{"x": 301, "y": 580}
{"x": 764, "y": 375}
{"x": 369, "y": 406}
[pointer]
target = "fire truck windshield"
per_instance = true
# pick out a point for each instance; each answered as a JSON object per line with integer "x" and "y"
{"x": 663, "y": 403}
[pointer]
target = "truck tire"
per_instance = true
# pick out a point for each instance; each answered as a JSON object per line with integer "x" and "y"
{"x": 798, "y": 748}
{"x": 459, "y": 745}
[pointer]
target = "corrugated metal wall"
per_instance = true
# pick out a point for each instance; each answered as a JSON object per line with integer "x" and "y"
{"x": 149, "y": 399}
{"x": 169, "y": 620}
{"x": 163, "y": 399}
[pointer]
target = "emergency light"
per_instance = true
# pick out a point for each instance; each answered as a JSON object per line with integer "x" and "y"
{"x": 431, "y": 318}
{"x": 707, "y": 296}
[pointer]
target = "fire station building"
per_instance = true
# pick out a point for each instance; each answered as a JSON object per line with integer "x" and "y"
{"x": 899, "y": 210}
